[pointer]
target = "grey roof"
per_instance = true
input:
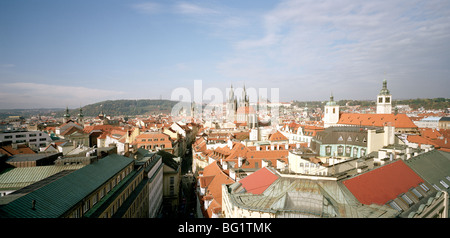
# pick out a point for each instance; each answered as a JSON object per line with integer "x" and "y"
{"x": 296, "y": 197}
{"x": 340, "y": 135}
{"x": 30, "y": 157}
{"x": 56, "y": 198}
{"x": 432, "y": 166}
{"x": 17, "y": 178}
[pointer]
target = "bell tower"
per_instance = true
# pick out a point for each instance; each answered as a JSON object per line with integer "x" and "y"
{"x": 384, "y": 100}
{"x": 331, "y": 116}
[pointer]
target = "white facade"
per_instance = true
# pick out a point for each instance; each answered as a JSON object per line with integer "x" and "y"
{"x": 35, "y": 139}
{"x": 384, "y": 100}
{"x": 428, "y": 122}
{"x": 331, "y": 116}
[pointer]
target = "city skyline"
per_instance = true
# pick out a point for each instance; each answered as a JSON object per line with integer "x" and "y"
{"x": 55, "y": 54}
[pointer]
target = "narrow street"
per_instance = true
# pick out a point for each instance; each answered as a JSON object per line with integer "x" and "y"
{"x": 187, "y": 193}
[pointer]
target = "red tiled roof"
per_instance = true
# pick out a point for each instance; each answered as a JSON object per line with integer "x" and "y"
{"x": 378, "y": 120}
{"x": 21, "y": 149}
{"x": 383, "y": 184}
{"x": 277, "y": 136}
{"x": 259, "y": 181}
{"x": 421, "y": 140}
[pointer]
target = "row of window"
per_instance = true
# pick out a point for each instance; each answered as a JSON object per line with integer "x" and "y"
{"x": 97, "y": 196}
{"x": 307, "y": 165}
{"x": 21, "y": 136}
{"x": 406, "y": 200}
{"x": 349, "y": 139}
{"x": 149, "y": 147}
{"x": 348, "y": 150}
{"x": 150, "y": 139}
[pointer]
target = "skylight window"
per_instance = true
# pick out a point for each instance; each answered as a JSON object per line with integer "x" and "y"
{"x": 407, "y": 199}
{"x": 395, "y": 206}
{"x": 416, "y": 193}
{"x": 436, "y": 187}
{"x": 424, "y": 187}
{"x": 443, "y": 183}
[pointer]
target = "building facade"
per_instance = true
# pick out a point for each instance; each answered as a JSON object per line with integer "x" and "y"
{"x": 114, "y": 186}
{"x": 35, "y": 139}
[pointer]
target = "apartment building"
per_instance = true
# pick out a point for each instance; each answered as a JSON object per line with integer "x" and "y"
{"x": 114, "y": 186}
{"x": 35, "y": 139}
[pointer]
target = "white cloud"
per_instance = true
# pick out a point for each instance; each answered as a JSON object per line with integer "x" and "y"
{"x": 148, "y": 7}
{"x": 342, "y": 44}
{"x": 35, "y": 95}
{"x": 193, "y": 9}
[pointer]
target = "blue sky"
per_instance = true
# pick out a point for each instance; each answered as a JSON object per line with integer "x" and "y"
{"x": 72, "y": 53}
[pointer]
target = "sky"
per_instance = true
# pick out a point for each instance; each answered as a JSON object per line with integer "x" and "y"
{"x": 65, "y": 53}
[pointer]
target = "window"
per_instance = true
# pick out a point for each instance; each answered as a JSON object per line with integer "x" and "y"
{"x": 407, "y": 199}
{"x": 395, "y": 206}
{"x": 8, "y": 137}
{"x": 21, "y": 136}
{"x": 95, "y": 199}
{"x": 340, "y": 150}
{"x": 424, "y": 187}
{"x": 86, "y": 206}
{"x": 348, "y": 150}
{"x": 355, "y": 152}
{"x": 436, "y": 187}
{"x": 388, "y": 99}
{"x": 42, "y": 139}
{"x": 156, "y": 139}
{"x": 32, "y": 135}
{"x": 102, "y": 193}
{"x": 443, "y": 183}
{"x": 143, "y": 140}
{"x": 380, "y": 100}
{"x": 349, "y": 139}
{"x": 328, "y": 150}
{"x": 340, "y": 138}
{"x": 334, "y": 110}
{"x": 418, "y": 195}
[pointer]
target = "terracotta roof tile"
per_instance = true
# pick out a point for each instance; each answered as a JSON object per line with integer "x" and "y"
{"x": 259, "y": 181}
{"x": 383, "y": 184}
{"x": 378, "y": 120}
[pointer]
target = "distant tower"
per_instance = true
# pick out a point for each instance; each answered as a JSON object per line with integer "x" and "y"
{"x": 231, "y": 106}
{"x": 331, "y": 116}
{"x": 66, "y": 117}
{"x": 384, "y": 100}
{"x": 193, "y": 110}
{"x": 81, "y": 117}
{"x": 244, "y": 100}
